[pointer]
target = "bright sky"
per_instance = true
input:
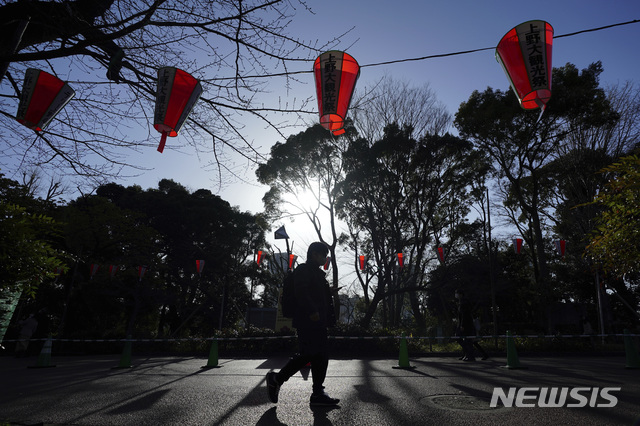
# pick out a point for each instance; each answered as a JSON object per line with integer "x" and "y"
{"x": 388, "y": 31}
{"x": 403, "y": 29}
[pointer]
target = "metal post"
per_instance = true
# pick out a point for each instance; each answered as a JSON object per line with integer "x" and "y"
{"x": 492, "y": 276}
{"x": 599, "y": 301}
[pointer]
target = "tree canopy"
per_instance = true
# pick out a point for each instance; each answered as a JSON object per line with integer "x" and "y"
{"x": 615, "y": 243}
{"x": 130, "y": 261}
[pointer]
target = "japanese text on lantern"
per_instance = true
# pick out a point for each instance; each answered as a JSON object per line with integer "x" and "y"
{"x": 537, "y": 66}
{"x": 164, "y": 88}
{"x": 329, "y": 97}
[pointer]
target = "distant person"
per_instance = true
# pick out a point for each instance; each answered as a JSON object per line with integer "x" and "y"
{"x": 587, "y": 330}
{"x": 314, "y": 313}
{"x": 465, "y": 329}
{"x": 478, "y": 326}
{"x": 27, "y": 328}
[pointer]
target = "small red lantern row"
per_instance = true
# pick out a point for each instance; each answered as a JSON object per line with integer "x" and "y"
{"x": 113, "y": 269}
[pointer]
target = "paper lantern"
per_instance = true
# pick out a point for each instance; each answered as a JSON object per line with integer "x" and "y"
{"x": 113, "y": 269}
{"x": 361, "y": 263}
{"x": 517, "y": 245}
{"x": 525, "y": 55}
{"x": 141, "y": 271}
{"x": 560, "y": 246}
{"x": 93, "y": 270}
{"x": 292, "y": 259}
{"x": 327, "y": 263}
{"x": 176, "y": 95}
{"x": 200, "y": 266}
{"x": 441, "y": 254}
{"x": 259, "y": 258}
{"x": 43, "y": 96}
{"x": 336, "y": 74}
{"x": 400, "y": 260}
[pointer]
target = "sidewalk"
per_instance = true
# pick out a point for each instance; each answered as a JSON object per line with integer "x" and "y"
{"x": 86, "y": 390}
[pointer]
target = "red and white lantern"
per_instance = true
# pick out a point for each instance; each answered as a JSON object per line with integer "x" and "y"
{"x": 113, "y": 269}
{"x": 176, "y": 95}
{"x": 336, "y": 74}
{"x": 560, "y": 247}
{"x": 517, "y": 245}
{"x": 93, "y": 270}
{"x": 43, "y": 96}
{"x": 525, "y": 55}
{"x": 361, "y": 258}
{"x": 441, "y": 254}
{"x": 259, "y": 257}
{"x": 327, "y": 263}
{"x": 141, "y": 271}
{"x": 200, "y": 266}
{"x": 400, "y": 260}
{"x": 292, "y": 260}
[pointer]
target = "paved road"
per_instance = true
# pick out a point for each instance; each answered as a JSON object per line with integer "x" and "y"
{"x": 86, "y": 390}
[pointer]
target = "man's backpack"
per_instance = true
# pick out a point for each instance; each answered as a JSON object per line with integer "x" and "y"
{"x": 288, "y": 299}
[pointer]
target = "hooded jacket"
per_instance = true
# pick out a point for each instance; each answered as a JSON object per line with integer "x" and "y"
{"x": 313, "y": 294}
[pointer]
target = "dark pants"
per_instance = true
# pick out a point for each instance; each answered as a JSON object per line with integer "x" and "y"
{"x": 479, "y": 348}
{"x": 467, "y": 347}
{"x": 313, "y": 348}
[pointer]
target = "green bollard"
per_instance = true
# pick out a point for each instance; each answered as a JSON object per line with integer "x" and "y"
{"x": 631, "y": 352}
{"x": 125, "y": 358}
{"x": 44, "y": 359}
{"x": 513, "y": 363}
{"x": 403, "y": 360}
{"x": 213, "y": 355}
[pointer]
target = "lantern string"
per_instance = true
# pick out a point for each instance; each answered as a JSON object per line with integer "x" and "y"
{"x": 598, "y": 29}
{"x": 441, "y": 55}
{"x": 464, "y": 52}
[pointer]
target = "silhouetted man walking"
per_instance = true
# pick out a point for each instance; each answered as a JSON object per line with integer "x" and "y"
{"x": 313, "y": 315}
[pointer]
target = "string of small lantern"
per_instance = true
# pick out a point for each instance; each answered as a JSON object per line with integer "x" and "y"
{"x": 336, "y": 73}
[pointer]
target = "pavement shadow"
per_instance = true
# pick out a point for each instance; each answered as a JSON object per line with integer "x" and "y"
{"x": 145, "y": 402}
{"x": 321, "y": 414}
{"x": 270, "y": 418}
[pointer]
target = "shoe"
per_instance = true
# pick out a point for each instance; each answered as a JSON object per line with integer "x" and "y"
{"x": 323, "y": 399}
{"x": 469, "y": 359}
{"x": 273, "y": 387}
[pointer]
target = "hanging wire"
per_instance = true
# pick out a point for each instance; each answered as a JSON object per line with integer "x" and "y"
{"x": 464, "y": 52}
{"x": 441, "y": 55}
